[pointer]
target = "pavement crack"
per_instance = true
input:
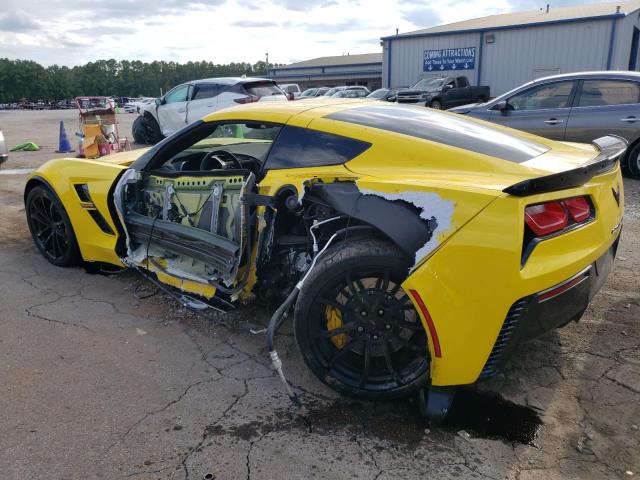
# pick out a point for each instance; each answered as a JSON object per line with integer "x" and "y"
{"x": 155, "y": 412}
{"x": 30, "y": 313}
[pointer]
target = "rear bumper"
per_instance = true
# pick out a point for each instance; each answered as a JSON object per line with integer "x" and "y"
{"x": 3, "y": 158}
{"x": 537, "y": 314}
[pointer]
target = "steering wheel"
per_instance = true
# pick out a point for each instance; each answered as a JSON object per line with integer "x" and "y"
{"x": 218, "y": 156}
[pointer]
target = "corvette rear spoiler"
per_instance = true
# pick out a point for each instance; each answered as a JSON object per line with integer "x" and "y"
{"x": 610, "y": 149}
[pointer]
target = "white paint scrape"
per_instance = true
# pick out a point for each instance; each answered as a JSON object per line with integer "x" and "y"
{"x": 431, "y": 205}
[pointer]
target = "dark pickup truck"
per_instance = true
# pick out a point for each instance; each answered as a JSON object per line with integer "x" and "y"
{"x": 443, "y": 92}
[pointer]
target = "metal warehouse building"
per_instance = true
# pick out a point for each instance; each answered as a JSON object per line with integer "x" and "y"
{"x": 363, "y": 69}
{"x": 504, "y": 51}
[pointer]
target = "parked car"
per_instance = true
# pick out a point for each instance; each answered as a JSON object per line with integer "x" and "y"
{"x": 387, "y": 94}
{"x": 4, "y": 153}
{"x": 189, "y": 102}
{"x": 314, "y": 92}
{"x": 430, "y": 269}
{"x": 442, "y": 93}
{"x": 575, "y": 107}
{"x": 356, "y": 93}
{"x": 292, "y": 90}
{"x": 332, "y": 91}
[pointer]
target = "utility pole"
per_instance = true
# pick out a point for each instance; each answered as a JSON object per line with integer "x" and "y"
{"x": 267, "y": 63}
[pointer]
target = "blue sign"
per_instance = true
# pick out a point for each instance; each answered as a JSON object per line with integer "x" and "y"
{"x": 450, "y": 59}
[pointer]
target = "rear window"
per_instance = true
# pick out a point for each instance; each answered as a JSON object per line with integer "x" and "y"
{"x": 298, "y": 147}
{"x": 596, "y": 93}
{"x": 205, "y": 90}
{"x": 262, "y": 89}
{"x": 453, "y": 130}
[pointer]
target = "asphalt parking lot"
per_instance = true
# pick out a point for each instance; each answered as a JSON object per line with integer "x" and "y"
{"x": 103, "y": 377}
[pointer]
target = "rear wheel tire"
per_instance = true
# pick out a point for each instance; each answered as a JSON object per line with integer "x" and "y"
{"x": 633, "y": 161}
{"x": 356, "y": 328}
{"x": 146, "y": 131}
{"x": 51, "y": 228}
{"x": 436, "y": 105}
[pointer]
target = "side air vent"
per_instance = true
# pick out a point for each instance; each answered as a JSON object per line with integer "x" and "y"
{"x": 100, "y": 221}
{"x": 82, "y": 189}
{"x": 505, "y": 336}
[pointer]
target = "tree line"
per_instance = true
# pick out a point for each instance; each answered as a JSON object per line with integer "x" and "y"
{"x": 123, "y": 78}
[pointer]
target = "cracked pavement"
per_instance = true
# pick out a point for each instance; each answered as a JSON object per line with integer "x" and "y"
{"x": 98, "y": 383}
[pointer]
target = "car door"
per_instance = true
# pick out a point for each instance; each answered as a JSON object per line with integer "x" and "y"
{"x": 202, "y": 101}
{"x": 185, "y": 216}
{"x": 172, "y": 111}
{"x": 541, "y": 109}
{"x": 460, "y": 94}
{"x": 604, "y": 107}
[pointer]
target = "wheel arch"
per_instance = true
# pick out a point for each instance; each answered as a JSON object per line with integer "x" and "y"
{"x": 627, "y": 154}
{"x": 399, "y": 218}
{"x": 35, "y": 181}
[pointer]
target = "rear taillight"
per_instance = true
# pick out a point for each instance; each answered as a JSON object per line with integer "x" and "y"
{"x": 249, "y": 99}
{"x": 546, "y": 218}
{"x": 551, "y": 217}
{"x": 578, "y": 208}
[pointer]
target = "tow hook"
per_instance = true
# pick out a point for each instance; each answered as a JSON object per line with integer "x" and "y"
{"x": 435, "y": 402}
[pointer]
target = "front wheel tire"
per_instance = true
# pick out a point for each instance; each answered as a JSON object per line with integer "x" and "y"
{"x": 356, "y": 328}
{"x": 51, "y": 228}
{"x": 436, "y": 105}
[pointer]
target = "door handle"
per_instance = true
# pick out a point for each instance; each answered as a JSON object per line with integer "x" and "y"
{"x": 630, "y": 119}
{"x": 182, "y": 110}
{"x": 210, "y": 105}
{"x": 552, "y": 121}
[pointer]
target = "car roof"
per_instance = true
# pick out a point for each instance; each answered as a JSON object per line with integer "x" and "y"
{"x": 230, "y": 80}
{"x": 593, "y": 74}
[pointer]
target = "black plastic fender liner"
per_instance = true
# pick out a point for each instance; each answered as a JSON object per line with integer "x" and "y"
{"x": 397, "y": 220}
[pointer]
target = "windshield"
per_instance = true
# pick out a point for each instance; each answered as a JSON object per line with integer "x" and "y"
{"x": 380, "y": 93}
{"x": 334, "y": 90}
{"x": 310, "y": 92}
{"x": 429, "y": 84}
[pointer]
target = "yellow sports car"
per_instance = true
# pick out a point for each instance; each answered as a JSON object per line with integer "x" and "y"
{"x": 417, "y": 248}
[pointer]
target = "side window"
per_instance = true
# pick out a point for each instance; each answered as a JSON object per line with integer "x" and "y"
{"x": 298, "y": 147}
{"x": 205, "y": 90}
{"x": 608, "y": 92}
{"x": 462, "y": 82}
{"x": 550, "y": 95}
{"x": 178, "y": 94}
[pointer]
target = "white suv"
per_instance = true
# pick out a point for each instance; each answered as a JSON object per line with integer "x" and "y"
{"x": 191, "y": 101}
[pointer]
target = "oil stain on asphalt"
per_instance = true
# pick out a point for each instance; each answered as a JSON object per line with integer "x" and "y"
{"x": 481, "y": 414}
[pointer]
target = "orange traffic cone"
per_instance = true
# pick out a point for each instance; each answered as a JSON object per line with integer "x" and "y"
{"x": 63, "y": 145}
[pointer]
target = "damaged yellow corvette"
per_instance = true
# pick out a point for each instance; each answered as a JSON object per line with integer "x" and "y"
{"x": 417, "y": 248}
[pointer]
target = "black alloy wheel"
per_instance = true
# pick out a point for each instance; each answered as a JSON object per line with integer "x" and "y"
{"x": 50, "y": 227}
{"x": 357, "y": 328}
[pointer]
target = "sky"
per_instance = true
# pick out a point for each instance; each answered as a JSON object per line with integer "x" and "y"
{"x": 222, "y": 31}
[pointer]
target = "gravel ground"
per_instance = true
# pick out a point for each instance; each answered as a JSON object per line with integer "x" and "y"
{"x": 99, "y": 382}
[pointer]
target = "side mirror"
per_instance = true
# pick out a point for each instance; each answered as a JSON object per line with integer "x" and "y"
{"x": 448, "y": 86}
{"x": 158, "y": 101}
{"x": 392, "y": 98}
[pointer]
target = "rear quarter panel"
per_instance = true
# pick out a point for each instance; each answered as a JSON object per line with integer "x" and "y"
{"x": 470, "y": 283}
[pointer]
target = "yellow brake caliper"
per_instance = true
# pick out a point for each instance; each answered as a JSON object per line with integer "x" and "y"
{"x": 334, "y": 320}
